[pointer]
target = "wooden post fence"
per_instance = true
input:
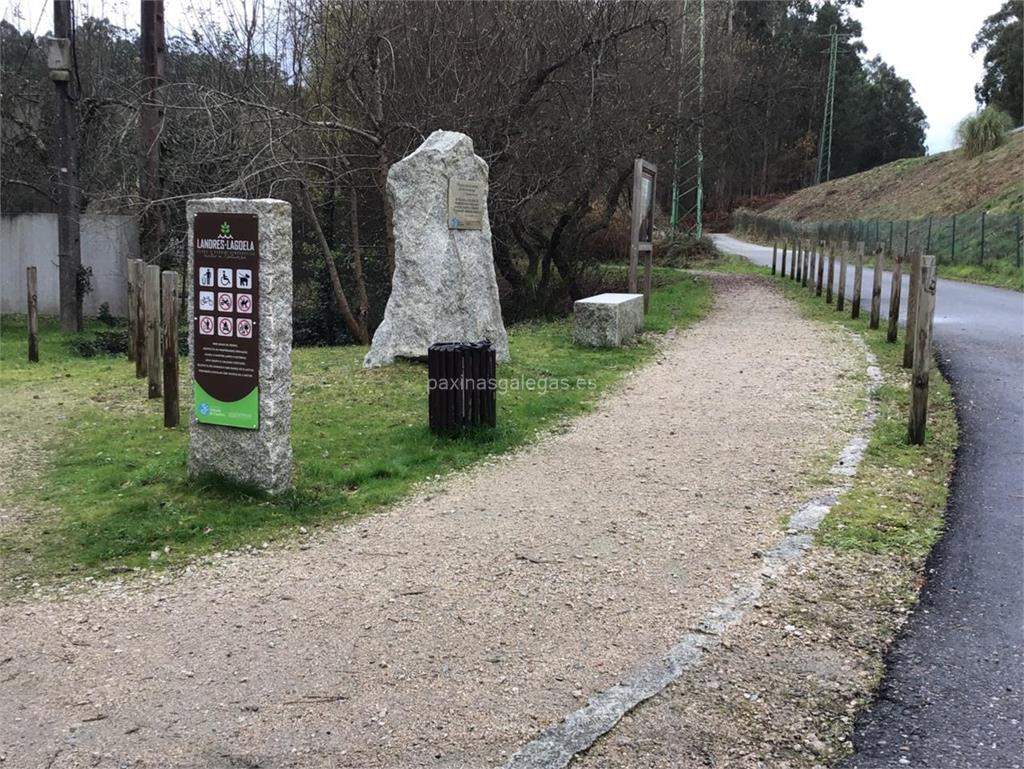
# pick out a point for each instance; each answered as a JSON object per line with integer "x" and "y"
{"x": 169, "y": 298}
{"x": 858, "y": 282}
{"x": 876, "y": 289}
{"x": 33, "y": 314}
{"x": 831, "y": 272}
{"x": 151, "y": 309}
{"x": 136, "y": 273}
{"x": 922, "y": 352}
{"x": 912, "y": 295}
{"x": 805, "y": 264}
{"x": 783, "y": 273}
{"x": 894, "y": 299}
{"x": 775, "y": 255}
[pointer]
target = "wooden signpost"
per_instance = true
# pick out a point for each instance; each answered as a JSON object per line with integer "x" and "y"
{"x": 645, "y": 175}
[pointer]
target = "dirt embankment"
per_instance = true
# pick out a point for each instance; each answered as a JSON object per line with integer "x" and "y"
{"x": 938, "y": 185}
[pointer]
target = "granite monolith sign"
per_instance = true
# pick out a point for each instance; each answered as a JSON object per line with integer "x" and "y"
{"x": 444, "y": 287}
{"x": 240, "y": 340}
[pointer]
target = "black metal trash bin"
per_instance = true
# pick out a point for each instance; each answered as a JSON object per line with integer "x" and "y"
{"x": 462, "y": 385}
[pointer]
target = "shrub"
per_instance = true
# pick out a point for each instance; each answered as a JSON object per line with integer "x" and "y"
{"x": 983, "y": 131}
{"x": 112, "y": 342}
{"x": 105, "y": 317}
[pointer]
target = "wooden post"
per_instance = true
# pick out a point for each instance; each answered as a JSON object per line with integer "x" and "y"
{"x": 133, "y": 298}
{"x": 775, "y": 255}
{"x": 648, "y": 269}
{"x": 151, "y": 304}
{"x": 821, "y": 268}
{"x": 922, "y": 352}
{"x": 876, "y": 289}
{"x": 136, "y": 275}
{"x": 33, "y": 314}
{"x": 806, "y": 264}
{"x": 810, "y": 265}
{"x": 841, "y": 294}
{"x": 831, "y": 272}
{"x": 169, "y": 298}
{"x": 784, "y": 260}
{"x": 794, "y": 273}
{"x": 912, "y": 296}
{"x": 858, "y": 281}
{"x": 894, "y": 298}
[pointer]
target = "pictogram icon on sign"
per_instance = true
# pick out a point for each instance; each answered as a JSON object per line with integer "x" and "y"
{"x": 243, "y": 303}
{"x": 225, "y": 302}
{"x": 244, "y": 328}
{"x": 205, "y": 324}
{"x": 224, "y": 327}
{"x": 224, "y": 277}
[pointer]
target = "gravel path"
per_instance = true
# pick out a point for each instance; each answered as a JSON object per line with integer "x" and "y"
{"x": 451, "y": 629}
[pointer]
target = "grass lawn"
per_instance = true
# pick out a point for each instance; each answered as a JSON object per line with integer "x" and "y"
{"x": 99, "y": 485}
{"x": 898, "y": 498}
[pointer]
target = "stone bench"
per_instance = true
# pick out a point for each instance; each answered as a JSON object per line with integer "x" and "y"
{"x": 607, "y": 320}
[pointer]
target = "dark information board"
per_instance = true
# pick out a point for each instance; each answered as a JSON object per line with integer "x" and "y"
{"x": 225, "y": 291}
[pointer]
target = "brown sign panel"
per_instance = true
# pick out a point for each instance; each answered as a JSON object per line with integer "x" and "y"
{"x": 225, "y": 291}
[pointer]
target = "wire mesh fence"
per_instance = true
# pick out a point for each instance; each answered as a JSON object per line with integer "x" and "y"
{"x": 981, "y": 239}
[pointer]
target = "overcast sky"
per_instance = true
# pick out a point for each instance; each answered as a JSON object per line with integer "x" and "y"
{"x": 927, "y": 41}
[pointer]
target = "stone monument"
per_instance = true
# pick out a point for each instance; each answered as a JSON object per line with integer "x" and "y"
{"x": 240, "y": 340}
{"x": 444, "y": 288}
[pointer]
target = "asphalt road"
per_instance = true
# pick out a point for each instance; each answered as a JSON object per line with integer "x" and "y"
{"x": 953, "y": 695}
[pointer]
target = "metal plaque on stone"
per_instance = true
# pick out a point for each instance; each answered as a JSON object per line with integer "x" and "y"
{"x": 466, "y": 204}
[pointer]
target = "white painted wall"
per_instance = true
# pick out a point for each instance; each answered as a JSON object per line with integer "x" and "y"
{"x": 27, "y": 240}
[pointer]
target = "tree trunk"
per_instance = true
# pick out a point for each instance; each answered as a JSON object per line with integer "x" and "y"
{"x": 358, "y": 332}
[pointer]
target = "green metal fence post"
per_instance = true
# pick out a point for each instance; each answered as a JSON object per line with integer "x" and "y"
{"x": 981, "y": 259}
{"x": 1016, "y": 230}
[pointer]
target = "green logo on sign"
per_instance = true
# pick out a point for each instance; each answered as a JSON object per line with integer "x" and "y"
{"x": 225, "y": 229}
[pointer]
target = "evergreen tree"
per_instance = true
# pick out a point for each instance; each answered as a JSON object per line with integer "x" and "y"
{"x": 1001, "y": 39}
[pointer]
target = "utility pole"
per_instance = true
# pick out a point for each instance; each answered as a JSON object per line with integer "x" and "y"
{"x": 60, "y": 58}
{"x": 825, "y": 140}
{"x": 151, "y": 121}
{"x": 679, "y": 120}
{"x": 699, "y": 231}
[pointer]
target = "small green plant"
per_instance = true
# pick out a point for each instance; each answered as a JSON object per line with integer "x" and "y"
{"x": 983, "y": 131}
{"x": 104, "y": 316}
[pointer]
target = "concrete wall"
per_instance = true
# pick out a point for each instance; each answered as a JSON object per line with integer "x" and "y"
{"x": 28, "y": 240}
